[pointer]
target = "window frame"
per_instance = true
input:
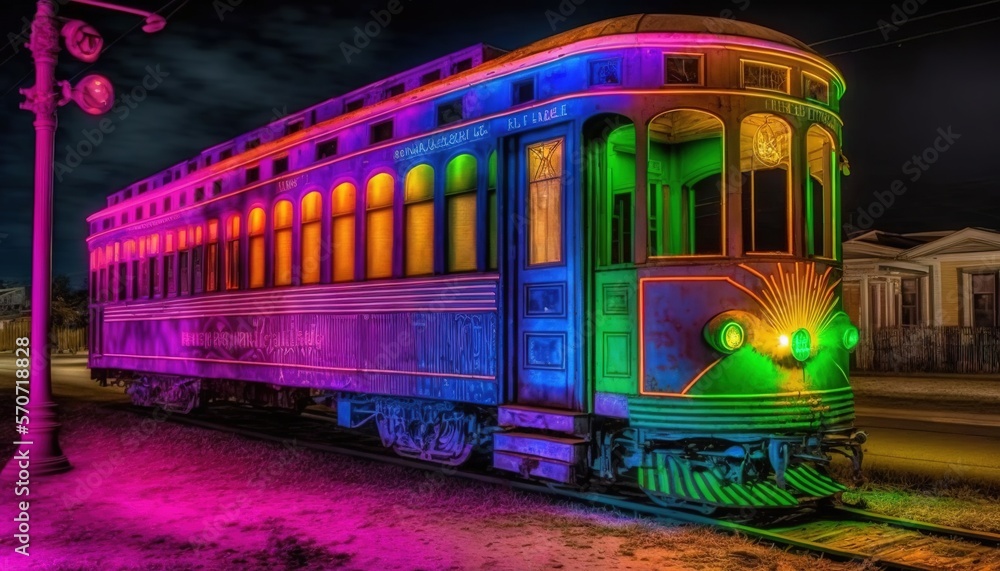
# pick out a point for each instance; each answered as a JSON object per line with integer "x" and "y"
{"x": 685, "y": 55}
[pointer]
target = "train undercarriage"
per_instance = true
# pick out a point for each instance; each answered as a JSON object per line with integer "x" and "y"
{"x": 698, "y": 472}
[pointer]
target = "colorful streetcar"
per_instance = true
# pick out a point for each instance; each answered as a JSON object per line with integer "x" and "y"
{"x": 611, "y": 257}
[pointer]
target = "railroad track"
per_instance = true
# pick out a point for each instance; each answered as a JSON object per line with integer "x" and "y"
{"x": 840, "y": 532}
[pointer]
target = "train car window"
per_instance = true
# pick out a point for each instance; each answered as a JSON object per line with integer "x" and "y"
{"x": 820, "y": 192}
{"x": 765, "y": 160}
{"x": 143, "y": 268}
{"x": 124, "y": 218}
{"x": 133, "y": 273}
{"x": 430, "y": 77}
{"x": 354, "y": 105}
{"x": 449, "y": 112}
{"x": 545, "y": 202}
{"x": 492, "y": 261}
{"x": 682, "y": 69}
{"x": 154, "y": 266}
{"x": 326, "y": 149}
{"x": 342, "y": 232}
{"x": 128, "y": 193}
{"x": 166, "y": 204}
{"x": 610, "y": 179}
{"x": 225, "y": 154}
{"x": 122, "y": 280}
{"x": 770, "y": 77}
{"x": 684, "y": 170}
{"x": 199, "y": 194}
{"x": 152, "y": 209}
{"x": 103, "y": 284}
{"x": 192, "y": 166}
{"x": 255, "y": 237}
{"x": 143, "y": 187}
{"x": 182, "y": 200}
{"x": 279, "y": 165}
{"x": 252, "y": 144}
{"x": 217, "y": 187}
{"x": 183, "y": 259}
{"x": 212, "y": 257}
{"x": 461, "y": 177}
{"x": 418, "y": 221}
{"x": 381, "y": 131}
{"x": 523, "y": 91}
{"x": 283, "y": 243}
{"x": 138, "y": 213}
{"x": 233, "y": 253}
{"x": 379, "y": 239}
{"x": 94, "y": 272}
{"x": 395, "y": 90}
{"x": 197, "y": 255}
{"x": 252, "y": 174}
{"x": 311, "y": 238}
{"x": 169, "y": 275}
{"x": 464, "y": 65}
{"x": 815, "y": 88}
{"x": 294, "y": 126}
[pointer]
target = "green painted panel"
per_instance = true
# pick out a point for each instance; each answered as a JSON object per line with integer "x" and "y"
{"x": 616, "y": 351}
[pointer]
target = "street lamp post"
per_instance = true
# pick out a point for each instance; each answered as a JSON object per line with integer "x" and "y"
{"x": 95, "y": 95}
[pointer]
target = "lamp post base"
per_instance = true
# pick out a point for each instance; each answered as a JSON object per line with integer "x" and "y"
{"x": 43, "y": 456}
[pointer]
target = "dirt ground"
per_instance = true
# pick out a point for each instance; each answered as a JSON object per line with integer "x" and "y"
{"x": 148, "y": 494}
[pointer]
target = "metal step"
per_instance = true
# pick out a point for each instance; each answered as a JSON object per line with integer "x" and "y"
{"x": 539, "y": 455}
{"x": 568, "y": 450}
{"x": 564, "y": 421}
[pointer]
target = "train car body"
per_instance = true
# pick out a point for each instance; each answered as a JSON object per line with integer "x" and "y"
{"x": 612, "y": 255}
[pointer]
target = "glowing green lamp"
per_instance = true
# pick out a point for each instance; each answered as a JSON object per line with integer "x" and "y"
{"x": 801, "y": 344}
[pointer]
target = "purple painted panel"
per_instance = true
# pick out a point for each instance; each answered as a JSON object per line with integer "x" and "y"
{"x": 433, "y": 338}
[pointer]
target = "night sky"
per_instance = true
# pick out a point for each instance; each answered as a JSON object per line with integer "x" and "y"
{"x": 229, "y": 66}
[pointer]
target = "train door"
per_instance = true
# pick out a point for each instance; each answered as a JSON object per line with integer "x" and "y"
{"x": 547, "y": 283}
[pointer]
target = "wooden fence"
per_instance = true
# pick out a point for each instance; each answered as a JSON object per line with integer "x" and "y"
{"x": 65, "y": 340}
{"x": 929, "y": 350}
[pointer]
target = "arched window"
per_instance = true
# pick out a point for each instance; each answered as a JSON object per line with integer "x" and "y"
{"x": 821, "y": 201}
{"x": 212, "y": 257}
{"x": 312, "y": 237}
{"x": 765, "y": 161}
{"x": 378, "y": 244}
{"x": 342, "y": 231}
{"x": 491, "y": 213}
{"x": 255, "y": 237}
{"x": 283, "y": 243}
{"x": 686, "y": 195}
{"x": 461, "y": 177}
{"x": 233, "y": 252}
{"x": 418, "y": 218}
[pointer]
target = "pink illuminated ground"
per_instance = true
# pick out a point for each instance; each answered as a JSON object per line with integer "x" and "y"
{"x": 163, "y": 496}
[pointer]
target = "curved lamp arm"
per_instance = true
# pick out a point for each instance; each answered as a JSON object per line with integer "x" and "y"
{"x": 154, "y": 21}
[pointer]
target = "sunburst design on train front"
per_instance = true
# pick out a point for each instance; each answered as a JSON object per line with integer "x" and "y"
{"x": 798, "y": 298}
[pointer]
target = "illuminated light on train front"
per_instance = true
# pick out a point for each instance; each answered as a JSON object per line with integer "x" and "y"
{"x": 783, "y": 341}
{"x": 801, "y": 343}
{"x": 850, "y": 337}
{"x": 732, "y": 336}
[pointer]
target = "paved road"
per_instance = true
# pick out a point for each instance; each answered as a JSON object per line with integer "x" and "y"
{"x": 921, "y": 438}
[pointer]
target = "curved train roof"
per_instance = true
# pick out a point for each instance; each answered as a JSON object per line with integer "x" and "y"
{"x": 659, "y": 23}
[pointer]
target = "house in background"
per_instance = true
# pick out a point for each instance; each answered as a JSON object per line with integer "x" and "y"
{"x": 922, "y": 279}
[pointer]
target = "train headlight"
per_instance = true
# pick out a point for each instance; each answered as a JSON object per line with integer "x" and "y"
{"x": 850, "y": 337}
{"x": 801, "y": 343}
{"x": 783, "y": 340}
{"x": 732, "y": 336}
{"x": 729, "y": 331}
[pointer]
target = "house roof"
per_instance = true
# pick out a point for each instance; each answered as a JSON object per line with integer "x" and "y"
{"x": 909, "y": 246}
